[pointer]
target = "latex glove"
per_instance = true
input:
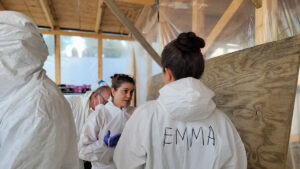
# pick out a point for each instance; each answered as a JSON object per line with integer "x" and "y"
{"x": 111, "y": 141}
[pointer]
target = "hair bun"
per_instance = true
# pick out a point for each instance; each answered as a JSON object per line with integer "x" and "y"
{"x": 189, "y": 42}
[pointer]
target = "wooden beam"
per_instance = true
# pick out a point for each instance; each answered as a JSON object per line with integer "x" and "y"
{"x": 1, "y": 6}
{"x": 265, "y": 24}
{"x": 84, "y": 34}
{"x": 142, "y": 2}
{"x": 198, "y": 18}
{"x": 133, "y": 74}
{"x": 99, "y": 15}
{"x": 223, "y": 21}
{"x": 195, "y": 16}
{"x": 142, "y": 16}
{"x": 57, "y": 59}
{"x": 111, "y": 4}
{"x": 105, "y": 36}
{"x": 47, "y": 11}
{"x": 100, "y": 68}
{"x": 257, "y": 3}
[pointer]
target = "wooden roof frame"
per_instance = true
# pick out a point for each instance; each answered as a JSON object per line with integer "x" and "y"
{"x": 47, "y": 12}
{"x": 99, "y": 15}
{"x": 142, "y": 2}
{"x": 139, "y": 37}
{"x": 85, "y": 34}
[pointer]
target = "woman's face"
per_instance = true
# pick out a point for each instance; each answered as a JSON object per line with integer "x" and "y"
{"x": 122, "y": 96}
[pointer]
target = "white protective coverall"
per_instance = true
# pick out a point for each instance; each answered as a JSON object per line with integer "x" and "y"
{"x": 80, "y": 106}
{"x": 182, "y": 129}
{"x": 104, "y": 118}
{"x": 37, "y": 130}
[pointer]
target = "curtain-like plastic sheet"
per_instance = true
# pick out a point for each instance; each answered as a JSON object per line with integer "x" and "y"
{"x": 226, "y": 26}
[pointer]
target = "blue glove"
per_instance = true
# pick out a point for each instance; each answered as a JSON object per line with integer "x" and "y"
{"x": 111, "y": 141}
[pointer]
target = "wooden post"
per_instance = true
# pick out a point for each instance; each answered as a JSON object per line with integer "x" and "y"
{"x": 57, "y": 60}
{"x": 195, "y": 16}
{"x": 100, "y": 72}
{"x": 134, "y": 74}
{"x": 198, "y": 18}
{"x": 266, "y": 22}
{"x": 111, "y": 4}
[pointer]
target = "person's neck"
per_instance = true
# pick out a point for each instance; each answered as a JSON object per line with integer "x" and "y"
{"x": 117, "y": 105}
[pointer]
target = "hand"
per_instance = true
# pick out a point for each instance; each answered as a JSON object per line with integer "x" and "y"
{"x": 111, "y": 141}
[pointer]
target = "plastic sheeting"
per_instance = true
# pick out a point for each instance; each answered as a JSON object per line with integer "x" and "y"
{"x": 227, "y": 26}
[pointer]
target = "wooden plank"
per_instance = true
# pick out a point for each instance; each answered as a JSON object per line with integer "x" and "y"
{"x": 133, "y": 30}
{"x": 100, "y": 71}
{"x": 142, "y": 2}
{"x": 99, "y": 16}
{"x": 47, "y": 12}
{"x": 84, "y": 34}
{"x": 105, "y": 36}
{"x": 256, "y": 88}
{"x": 57, "y": 59}
{"x": 133, "y": 74}
{"x": 223, "y": 21}
{"x": 257, "y": 3}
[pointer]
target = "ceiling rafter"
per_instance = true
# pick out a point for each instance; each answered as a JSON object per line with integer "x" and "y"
{"x": 99, "y": 15}
{"x": 223, "y": 21}
{"x": 48, "y": 14}
{"x": 139, "y": 37}
{"x": 142, "y": 2}
{"x": 85, "y": 34}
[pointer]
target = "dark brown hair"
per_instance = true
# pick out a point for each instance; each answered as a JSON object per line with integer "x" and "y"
{"x": 183, "y": 56}
{"x": 118, "y": 79}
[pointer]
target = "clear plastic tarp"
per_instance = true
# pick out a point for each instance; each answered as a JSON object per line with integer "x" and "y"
{"x": 226, "y": 26}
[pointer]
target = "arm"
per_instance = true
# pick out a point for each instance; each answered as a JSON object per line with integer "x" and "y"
{"x": 91, "y": 146}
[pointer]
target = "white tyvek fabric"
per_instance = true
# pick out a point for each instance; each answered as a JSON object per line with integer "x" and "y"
{"x": 36, "y": 124}
{"x": 93, "y": 148}
{"x": 80, "y": 106}
{"x": 175, "y": 132}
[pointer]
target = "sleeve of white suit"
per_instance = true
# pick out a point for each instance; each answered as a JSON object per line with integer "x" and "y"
{"x": 130, "y": 151}
{"x": 91, "y": 145}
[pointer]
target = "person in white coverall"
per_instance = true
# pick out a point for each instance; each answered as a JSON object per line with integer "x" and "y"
{"x": 182, "y": 129}
{"x": 37, "y": 129}
{"x": 105, "y": 125}
{"x": 83, "y": 105}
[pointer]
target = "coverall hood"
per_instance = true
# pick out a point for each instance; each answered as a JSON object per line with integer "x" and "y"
{"x": 187, "y": 99}
{"x": 22, "y": 51}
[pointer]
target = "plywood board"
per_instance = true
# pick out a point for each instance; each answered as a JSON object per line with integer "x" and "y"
{"x": 256, "y": 88}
